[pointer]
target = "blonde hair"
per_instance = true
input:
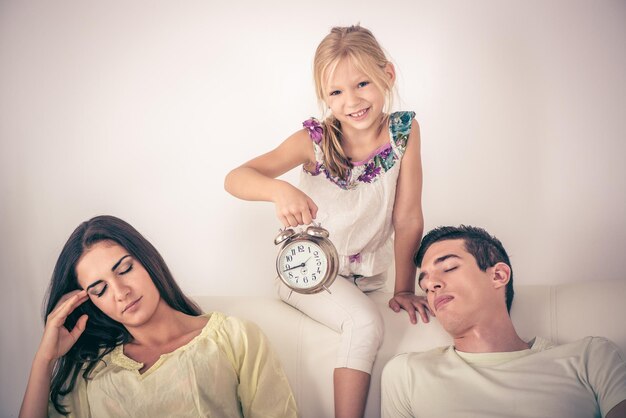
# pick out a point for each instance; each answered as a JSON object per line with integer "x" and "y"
{"x": 362, "y": 49}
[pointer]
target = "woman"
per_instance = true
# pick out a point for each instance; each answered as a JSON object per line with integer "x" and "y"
{"x": 121, "y": 339}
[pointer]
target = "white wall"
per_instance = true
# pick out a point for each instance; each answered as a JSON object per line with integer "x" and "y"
{"x": 139, "y": 109}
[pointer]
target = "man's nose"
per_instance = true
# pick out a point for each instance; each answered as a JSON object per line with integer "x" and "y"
{"x": 435, "y": 284}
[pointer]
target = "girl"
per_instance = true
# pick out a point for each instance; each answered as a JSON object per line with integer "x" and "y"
{"x": 121, "y": 339}
{"x": 362, "y": 169}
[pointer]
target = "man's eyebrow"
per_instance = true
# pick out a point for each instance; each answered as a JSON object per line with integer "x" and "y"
{"x": 437, "y": 261}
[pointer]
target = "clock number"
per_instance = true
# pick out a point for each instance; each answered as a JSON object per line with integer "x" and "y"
{"x": 316, "y": 254}
{"x": 313, "y": 276}
{"x": 289, "y": 258}
{"x": 319, "y": 263}
{"x": 305, "y": 279}
{"x": 287, "y": 266}
{"x": 318, "y": 270}
{"x": 300, "y": 248}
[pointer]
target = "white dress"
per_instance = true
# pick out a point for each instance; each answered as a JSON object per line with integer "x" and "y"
{"x": 358, "y": 212}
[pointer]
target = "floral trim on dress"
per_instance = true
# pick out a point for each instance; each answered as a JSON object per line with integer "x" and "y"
{"x": 371, "y": 170}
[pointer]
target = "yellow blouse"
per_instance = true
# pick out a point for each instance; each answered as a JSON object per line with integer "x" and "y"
{"x": 228, "y": 370}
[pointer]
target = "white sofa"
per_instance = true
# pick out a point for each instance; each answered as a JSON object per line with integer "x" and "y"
{"x": 562, "y": 313}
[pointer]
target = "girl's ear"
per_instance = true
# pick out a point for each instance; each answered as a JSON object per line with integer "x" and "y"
{"x": 501, "y": 275}
{"x": 390, "y": 71}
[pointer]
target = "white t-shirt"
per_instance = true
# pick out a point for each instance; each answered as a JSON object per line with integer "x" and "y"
{"x": 586, "y": 379}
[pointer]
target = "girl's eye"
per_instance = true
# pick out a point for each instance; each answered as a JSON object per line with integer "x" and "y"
{"x": 363, "y": 84}
{"x": 334, "y": 93}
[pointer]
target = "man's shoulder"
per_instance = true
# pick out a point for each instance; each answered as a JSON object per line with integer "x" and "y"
{"x": 590, "y": 343}
{"x": 596, "y": 346}
{"x": 586, "y": 350}
{"x": 416, "y": 357}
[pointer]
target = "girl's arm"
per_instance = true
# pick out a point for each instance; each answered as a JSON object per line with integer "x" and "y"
{"x": 408, "y": 223}
{"x": 56, "y": 342}
{"x": 256, "y": 180}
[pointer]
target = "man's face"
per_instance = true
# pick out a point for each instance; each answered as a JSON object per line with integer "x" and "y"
{"x": 458, "y": 292}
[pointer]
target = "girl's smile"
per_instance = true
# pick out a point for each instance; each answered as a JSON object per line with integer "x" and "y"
{"x": 361, "y": 114}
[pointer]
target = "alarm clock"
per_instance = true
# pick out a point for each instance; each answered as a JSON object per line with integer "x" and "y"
{"x": 307, "y": 261}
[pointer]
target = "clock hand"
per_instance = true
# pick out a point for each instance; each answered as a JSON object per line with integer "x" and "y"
{"x": 295, "y": 267}
{"x": 299, "y": 265}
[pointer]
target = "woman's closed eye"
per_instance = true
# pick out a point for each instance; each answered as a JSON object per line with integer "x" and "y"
{"x": 450, "y": 269}
{"x": 126, "y": 269}
{"x": 102, "y": 291}
{"x": 97, "y": 289}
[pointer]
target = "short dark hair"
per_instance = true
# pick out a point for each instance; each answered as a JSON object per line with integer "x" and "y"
{"x": 486, "y": 249}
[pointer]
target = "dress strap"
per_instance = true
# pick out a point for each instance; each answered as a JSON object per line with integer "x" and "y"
{"x": 399, "y": 130}
{"x": 315, "y": 130}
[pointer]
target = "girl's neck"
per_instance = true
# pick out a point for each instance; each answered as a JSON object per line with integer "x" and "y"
{"x": 365, "y": 137}
{"x": 359, "y": 145}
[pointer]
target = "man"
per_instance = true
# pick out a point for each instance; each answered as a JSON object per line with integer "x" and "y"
{"x": 490, "y": 371}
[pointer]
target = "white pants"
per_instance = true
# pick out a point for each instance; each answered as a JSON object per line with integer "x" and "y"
{"x": 348, "y": 311}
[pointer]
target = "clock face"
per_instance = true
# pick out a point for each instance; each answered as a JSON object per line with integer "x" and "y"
{"x": 302, "y": 264}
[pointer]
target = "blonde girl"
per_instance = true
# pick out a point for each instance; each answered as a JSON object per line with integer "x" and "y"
{"x": 362, "y": 180}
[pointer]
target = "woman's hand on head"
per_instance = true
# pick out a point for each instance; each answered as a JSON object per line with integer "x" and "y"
{"x": 293, "y": 207}
{"x": 57, "y": 340}
{"x": 411, "y": 303}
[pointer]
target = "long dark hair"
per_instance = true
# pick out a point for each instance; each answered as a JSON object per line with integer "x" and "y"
{"x": 102, "y": 334}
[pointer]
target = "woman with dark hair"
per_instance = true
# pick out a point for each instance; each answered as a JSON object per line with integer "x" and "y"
{"x": 121, "y": 339}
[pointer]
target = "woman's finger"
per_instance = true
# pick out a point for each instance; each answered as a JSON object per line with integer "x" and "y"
{"x": 63, "y": 299}
{"x": 58, "y": 318}
{"x": 80, "y": 326}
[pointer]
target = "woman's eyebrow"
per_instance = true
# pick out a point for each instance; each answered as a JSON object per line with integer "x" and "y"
{"x": 116, "y": 265}
{"x": 97, "y": 282}
{"x": 118, "y": 262}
